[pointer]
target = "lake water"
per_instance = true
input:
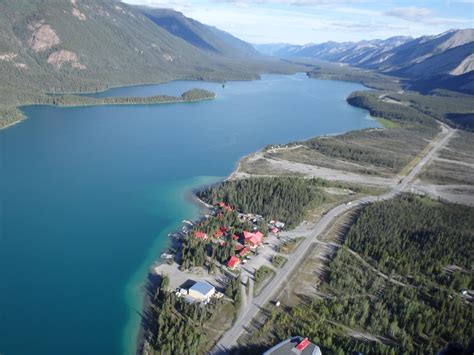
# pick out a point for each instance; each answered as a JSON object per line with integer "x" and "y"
{"x": 89, "y": 194}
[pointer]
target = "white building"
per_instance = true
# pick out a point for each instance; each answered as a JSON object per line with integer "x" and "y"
{"x": 202, "y": 291}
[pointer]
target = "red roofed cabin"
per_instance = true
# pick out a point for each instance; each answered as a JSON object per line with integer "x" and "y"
{"x": 253, "y": 239}
{"x": 244, "y": 251}
{"x": 218, "y": 234}
{"x": 233, "y": 262}
{"x": 225, "y": 207}
{"x": 200, "y": 235}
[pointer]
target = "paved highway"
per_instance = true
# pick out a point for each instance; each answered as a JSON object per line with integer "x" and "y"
{"x": 229, "y": 339}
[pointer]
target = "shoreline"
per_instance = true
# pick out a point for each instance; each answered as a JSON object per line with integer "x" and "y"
{"x": 85, "y": 93}
{"x": 197, "y": 210}
{"x": 14, "y": 122}
{"x": 142, "y": 343}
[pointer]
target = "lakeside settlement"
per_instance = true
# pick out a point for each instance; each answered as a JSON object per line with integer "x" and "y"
{"x": 202, "y": 269}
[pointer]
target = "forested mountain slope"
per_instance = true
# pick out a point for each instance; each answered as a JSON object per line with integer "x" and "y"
{"x": 199, "y": 35}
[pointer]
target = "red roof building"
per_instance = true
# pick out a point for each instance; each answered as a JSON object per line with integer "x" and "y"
{"x": 244, "y": 252}
{"x": 225, "y": 207}
{"x": 303, "y": 344}
{"x": 233, "y": 262}
{"x": 235, "y": 237}
{"x": 218, "y": 234}
{"x": 274, "y": 230}
{"x": 200, "y": 235}
{"x": 253, "y": 239}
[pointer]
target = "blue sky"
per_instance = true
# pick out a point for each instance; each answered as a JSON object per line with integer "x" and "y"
{"x": 316, "y": 21}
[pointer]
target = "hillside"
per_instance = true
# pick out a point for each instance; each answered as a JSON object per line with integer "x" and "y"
{"x": 88, "y": 45}
{"x": 447, "y": 62}
{"x": 197, "y": 34}
{"x": 440, "y": 58}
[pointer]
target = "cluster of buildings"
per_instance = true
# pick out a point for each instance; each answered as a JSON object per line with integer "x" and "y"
{"x": 275, "y": 226}
{"x": 251, "y": 240}
{"x": 244, "y": 243}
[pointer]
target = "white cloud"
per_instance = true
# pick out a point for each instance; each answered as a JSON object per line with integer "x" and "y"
{"x": 296, "y": 2}
{"x": 410, "y": 13}
{"x": 425, "y": 16}
{"x": 265, "y": 21}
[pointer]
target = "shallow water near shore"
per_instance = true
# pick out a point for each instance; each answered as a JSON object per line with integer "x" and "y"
{"x": 89, "y": 195}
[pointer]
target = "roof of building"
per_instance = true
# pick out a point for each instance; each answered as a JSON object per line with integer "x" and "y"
{"x": 296, "y": 345}
{"x": 203, "y": 287}
{"x": 253, "y": 238}
{"x": 200, "y": 235}
{"x": 225, "y": 206}
{"x": 238, "y": 247}
{"x": 218, "y": 234}
{"x": 233, "y": 261}
{"x": 279, "y": 224}
{"x": 244, "y": 251}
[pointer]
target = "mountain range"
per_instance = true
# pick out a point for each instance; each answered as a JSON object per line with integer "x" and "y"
{"x": 444, "y": 58}
{"x": 51, "y": 46}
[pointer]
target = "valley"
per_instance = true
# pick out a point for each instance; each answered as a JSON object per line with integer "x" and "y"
{"x": 177, "y": 189}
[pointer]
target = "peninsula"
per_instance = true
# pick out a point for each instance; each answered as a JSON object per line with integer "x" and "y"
{"x": 193, "y": 95}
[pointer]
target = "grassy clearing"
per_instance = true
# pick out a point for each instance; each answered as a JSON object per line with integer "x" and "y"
{"x": 460, "y": 148}
{"x": 446, "y": 173}
{"x": 386, "y": 123}
{"x": 289, "y": 246}
{"x": 371, "y": 152}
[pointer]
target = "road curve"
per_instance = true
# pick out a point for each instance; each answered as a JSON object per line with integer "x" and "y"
{"x": 229, "y": 339}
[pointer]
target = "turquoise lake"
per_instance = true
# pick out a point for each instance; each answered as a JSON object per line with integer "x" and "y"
{"x": 89, "y": 194}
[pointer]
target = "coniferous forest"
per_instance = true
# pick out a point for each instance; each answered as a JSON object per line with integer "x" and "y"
{"x": 281, "y": 198}
{"x": 396, "y": 284}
